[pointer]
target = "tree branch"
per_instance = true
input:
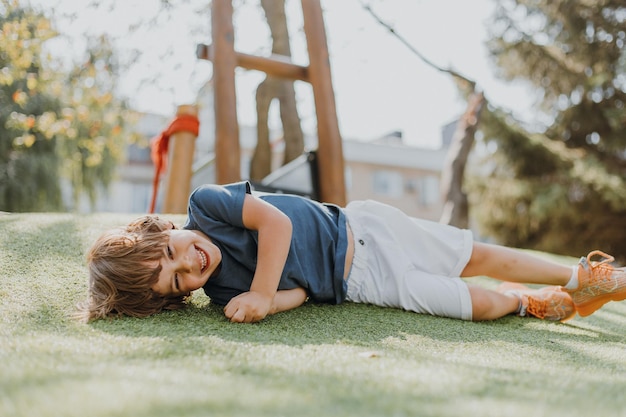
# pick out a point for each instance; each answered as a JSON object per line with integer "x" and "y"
{"x": 415, "y": 51}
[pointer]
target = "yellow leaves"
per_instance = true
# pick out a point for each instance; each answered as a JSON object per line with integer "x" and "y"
{"x": 18, "y": 121}
{"x": 71, "y": 133}
{"x": 48, "y": 125}
{"x": 21, "y": 40}
{"x": 110, "y": 118}
{"x": 29, "y": 140}
{"x": 82, "y": 112}
{"x": 45, "y": 125}
{"x": 18, "y": 43}
{"x": 19, "y": 97}
{"x": 56, "y": 88}
{"x": 94, "y": 128}
{"x": 6, "y": 78}
{"x": 10, "y": 30}
{"x": 26, "y": 140}
{"x": 43, "y": 29}
{"x": 93, "y": 160}
{"x": 105, "y": 99}
{"x": 31, "y": 81}
{"x": 68, "y": 113}
{"x": 25, "y": 59}
{"x": 91, "y": 152}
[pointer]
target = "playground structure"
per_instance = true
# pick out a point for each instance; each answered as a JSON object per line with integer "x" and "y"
{"x": 329, "y": 155}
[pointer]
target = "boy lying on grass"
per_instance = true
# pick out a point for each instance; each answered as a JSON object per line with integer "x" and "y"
{"x": 262, "y": 254}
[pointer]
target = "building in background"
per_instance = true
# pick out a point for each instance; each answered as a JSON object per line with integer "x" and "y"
{"x": 406, "y": 177}
{"x": 385, "y": 169}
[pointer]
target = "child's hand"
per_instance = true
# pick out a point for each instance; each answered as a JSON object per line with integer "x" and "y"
{"x": 248, "y": 307}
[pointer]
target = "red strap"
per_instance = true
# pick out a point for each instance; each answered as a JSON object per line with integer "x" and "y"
{"x": 160, "y": 143}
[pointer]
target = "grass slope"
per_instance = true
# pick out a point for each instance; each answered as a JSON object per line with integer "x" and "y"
{"x": 347, "y": 360}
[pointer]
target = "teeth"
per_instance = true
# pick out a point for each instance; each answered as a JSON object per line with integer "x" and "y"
{"x": 202, "y": 258}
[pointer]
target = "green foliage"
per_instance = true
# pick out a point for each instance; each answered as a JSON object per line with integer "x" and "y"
{"x": 563, "y": 189}
{"x": 28, "y": 163}
{"x": 54, "y": 123}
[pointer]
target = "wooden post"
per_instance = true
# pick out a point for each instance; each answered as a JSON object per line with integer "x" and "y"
{"x": 330, "y": 147}
{"x": 178, "y": 182}
{"x": 225, "y": 59}
{"x": 227, "y": 152}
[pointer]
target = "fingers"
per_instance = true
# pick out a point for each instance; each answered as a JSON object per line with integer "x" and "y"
{"x": 238, "y": 312}
{"x": 239, "y": 317}
{"x": 233, "y": 312}
{"x": 248, "y": 307}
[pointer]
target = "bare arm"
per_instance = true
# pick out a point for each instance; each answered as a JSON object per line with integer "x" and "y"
{"x": 274, "y": 234}
{"x": 288, "y": 300}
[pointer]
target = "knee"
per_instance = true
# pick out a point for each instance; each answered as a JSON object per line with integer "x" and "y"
{"x": 479, "y": 254}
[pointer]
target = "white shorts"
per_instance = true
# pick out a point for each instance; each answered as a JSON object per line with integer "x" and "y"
{"x": 408, "y": 263}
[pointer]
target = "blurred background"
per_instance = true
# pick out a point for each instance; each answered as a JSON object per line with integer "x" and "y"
{"x": 84, "y": 85}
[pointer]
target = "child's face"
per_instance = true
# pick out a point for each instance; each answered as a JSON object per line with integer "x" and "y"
{"x": 187, "y": 263}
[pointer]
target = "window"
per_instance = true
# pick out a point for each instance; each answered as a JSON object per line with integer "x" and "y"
{"x": 387, "y": 183}
{"x": 428, "y": 190}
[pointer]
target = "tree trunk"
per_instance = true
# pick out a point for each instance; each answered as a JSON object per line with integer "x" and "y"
{"x": 282, "y": 90}
{"x": 293, "y": 135}
{"x": 261, "y": 164}
{"x": 455, "y": 209}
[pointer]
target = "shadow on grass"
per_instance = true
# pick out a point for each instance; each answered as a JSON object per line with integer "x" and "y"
{"x": 42, "y": 269}
{"x": 55, "y": 236}
{"x": 360, "y": 325}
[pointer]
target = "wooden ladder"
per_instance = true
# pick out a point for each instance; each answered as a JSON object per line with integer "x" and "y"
{"x": 225, "y": 59}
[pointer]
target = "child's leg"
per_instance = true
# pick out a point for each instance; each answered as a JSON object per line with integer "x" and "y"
{"x": 491, "y": 305}
{"x": 512, "y": 265}
{"x": 548, "y": 303}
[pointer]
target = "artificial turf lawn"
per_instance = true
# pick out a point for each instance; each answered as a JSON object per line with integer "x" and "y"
{"x": 318, "y": 360}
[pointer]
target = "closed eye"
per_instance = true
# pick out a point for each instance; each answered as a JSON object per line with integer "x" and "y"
{"x": 170, "y": 255}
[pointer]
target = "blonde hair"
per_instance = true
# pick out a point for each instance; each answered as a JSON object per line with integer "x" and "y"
{"x": 123, "y": 267}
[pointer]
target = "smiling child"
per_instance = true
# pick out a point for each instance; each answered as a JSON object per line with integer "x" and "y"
{"x": 260, "y": 254}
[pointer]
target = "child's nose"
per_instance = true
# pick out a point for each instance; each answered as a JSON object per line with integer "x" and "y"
{"x": 185, "y": 264}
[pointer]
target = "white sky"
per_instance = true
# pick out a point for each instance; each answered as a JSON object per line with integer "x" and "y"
{"x": 380, "y": 85}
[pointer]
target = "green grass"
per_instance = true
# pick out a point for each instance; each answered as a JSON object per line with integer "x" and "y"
{"x": 347, "y": 360}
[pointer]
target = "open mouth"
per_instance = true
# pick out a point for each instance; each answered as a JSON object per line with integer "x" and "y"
{"x": 204, "y": 259}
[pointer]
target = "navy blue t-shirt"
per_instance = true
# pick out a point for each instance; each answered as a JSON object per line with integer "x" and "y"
{"x": 318, "y": 244}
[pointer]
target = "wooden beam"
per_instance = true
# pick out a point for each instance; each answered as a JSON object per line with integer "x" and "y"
{"x": 330, "y": 147}
{"x": 279, "y": 66}
{"x": 227, "y": 150}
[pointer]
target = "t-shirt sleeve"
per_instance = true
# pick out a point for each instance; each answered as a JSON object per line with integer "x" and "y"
{"x": 219, "y": 203}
